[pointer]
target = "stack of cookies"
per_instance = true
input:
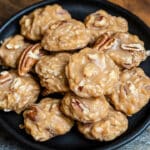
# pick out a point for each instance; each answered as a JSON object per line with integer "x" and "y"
{"x": 92, "y": 64}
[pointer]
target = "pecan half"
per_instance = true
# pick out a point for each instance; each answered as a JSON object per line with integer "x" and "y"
{"x": 132, "y": 47}
{"x": 104, "y": 42}
{"x": 5, "y": 77}
{"x": 29, "y": 58}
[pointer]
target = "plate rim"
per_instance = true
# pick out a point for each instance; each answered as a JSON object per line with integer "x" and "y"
{"x": 139, "y": 130}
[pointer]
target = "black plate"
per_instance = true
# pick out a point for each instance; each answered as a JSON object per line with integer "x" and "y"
{"x": 73, "y": 140}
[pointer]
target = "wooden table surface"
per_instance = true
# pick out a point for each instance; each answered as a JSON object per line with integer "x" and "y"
{"x": 139, "y": 7}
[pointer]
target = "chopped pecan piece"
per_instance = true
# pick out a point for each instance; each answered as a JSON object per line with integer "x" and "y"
{"x": 100, "y": 21}
{"x": 78, "y": 105}
{"x": 5, "y": 77}
{"x": 51, "y": 131}
{"x": 32, "y": 113}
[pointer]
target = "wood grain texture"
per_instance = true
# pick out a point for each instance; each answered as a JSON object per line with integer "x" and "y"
{"x": 139, "y": 7}
{"x": 10, "y": 7}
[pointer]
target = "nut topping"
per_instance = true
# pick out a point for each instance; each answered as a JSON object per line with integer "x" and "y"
{"x": 79, "y": 106}
{"x": 32, "y": 113}
{"x": 28, "y": 58}
{"x": 104, "y": 42}
{"x": 5, "y": 77}
{"x": 132, "y": 47}
{"x": 100, "y": 21}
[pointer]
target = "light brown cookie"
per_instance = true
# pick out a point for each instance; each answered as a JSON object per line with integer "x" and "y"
{"x": 17, "y": 93}
{"x": 66, "y": 36}
{"x": 84, "y": 110}
{"x": 133, "y": 92}
{"x": 91, "y": 73}
{"x": 44, "y": 121}
{"x": 11, "y": 50}
{"x": 107, "y": 129}
{"x": 17, "y": 53}
{"x": 34, "y": 25}
{"x": 126, "y": 50}
{"x": 51, "y": 71}
{"x": 101, "y": 22}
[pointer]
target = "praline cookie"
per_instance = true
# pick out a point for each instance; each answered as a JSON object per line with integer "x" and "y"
{"x": 51, "y": 71}
{"x": 11, "y": 50}
{"x": 107, "y": 129}
{"x": 126, "y": 50}
{"x": 66, "y": 36}
{"x": 133, "y": 91}
{"x": 91, "y": 73}
{"x": 34, "y": 25}
{"x": 101, "y": 22}
{"x": 44, "y": 120}
{"x": 17, "y": 93}
{"x": 83, "y": 109}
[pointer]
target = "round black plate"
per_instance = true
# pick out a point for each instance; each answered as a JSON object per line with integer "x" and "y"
{"x": 73, "y": 140}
